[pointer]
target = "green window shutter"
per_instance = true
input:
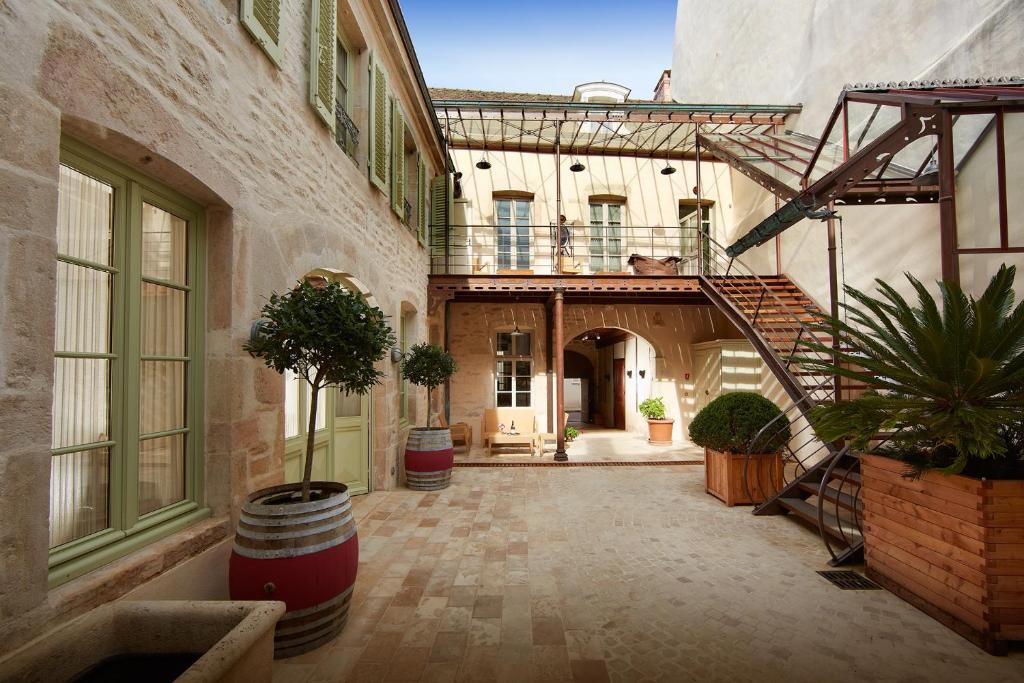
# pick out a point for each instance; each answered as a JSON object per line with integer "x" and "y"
{"x": 440, "y": 197}
{"x": 378, "y": 126}
{"x": 421, "y": 202}
{"x": 262, "y": 18}
{"x": 323, "y": 35}
{"x": 397, "y": 159}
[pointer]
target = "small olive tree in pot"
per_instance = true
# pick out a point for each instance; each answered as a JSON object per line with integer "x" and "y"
{"x": 428, "y": 452}
{"x": 331, "y": 337}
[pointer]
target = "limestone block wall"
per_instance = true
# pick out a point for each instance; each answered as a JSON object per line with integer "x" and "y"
{"x": 669, "y": 330}
{"x": 180, "y": 92}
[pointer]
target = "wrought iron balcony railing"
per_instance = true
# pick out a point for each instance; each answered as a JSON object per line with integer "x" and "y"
{"x": 577, "y": 250}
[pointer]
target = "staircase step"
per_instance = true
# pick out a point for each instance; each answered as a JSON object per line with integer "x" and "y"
{"x": 844, "y": 499}
{"x": 809, "y": 513}
{"x": 839, "y": 473}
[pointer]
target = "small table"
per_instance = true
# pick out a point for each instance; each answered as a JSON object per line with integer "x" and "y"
{"x": 529, "y": 440}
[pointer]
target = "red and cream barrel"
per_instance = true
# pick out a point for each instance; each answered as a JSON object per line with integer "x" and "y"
{"x": 303, "y": 554}
{"x": 428, "y": 459}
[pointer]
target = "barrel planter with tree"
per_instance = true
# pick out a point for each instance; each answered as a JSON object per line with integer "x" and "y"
{"x": 297, "y": 542}
{"x": 428, "y": 452}
{"x": 742, "y": 460}
{"x": 943, "y": 489}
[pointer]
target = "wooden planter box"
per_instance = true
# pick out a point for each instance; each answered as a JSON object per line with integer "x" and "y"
{"x": 723, "y": 476}
{"x": 950, "y": 545}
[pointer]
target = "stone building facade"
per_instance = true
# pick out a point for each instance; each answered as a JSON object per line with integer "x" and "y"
{"x": 234, "y": 118}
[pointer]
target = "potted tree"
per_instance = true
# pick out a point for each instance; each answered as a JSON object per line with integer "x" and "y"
{"x": 943, "y": 490}
{"x": 297, "y": 542}
{"x": 659, "y": 429}
{"x": 428, "y": 452}
{"x": 742, "y": 461}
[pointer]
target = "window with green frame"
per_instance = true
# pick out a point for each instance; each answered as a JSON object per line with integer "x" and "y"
{"x": 346, "y": 132}
{"x": 126, "y": 461}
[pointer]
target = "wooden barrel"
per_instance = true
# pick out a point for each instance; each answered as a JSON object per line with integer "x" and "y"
{"x": 303, "y": 554}
{"x": 428, "y": 459}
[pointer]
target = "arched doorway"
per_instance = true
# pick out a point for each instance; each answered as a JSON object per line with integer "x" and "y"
{"x": 341, "y": 441}
{"x": 622, "y": 375}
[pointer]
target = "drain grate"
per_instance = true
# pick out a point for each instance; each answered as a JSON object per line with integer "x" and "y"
{"x": 851, "y": 581}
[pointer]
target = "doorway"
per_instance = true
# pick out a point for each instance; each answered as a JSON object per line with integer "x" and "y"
{"x": 619, "y": 392}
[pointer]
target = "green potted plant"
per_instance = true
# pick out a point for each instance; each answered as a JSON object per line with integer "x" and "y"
{"x": 428, "y": 452}
{"x": 659, "y": 429}
{"x": 943, "y": 495}
{"x": 726, "y": 428}
{"x": 330, "y": 337}
{"x": 571, "y": 433}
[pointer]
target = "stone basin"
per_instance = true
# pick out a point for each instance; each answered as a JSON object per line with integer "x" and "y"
{"x": 228, "y": 641}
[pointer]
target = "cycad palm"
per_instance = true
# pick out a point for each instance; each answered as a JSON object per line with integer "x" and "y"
{"x": 948, "y": 382}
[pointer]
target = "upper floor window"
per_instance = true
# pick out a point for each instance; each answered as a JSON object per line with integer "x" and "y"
{"x": 512, "y": 234}
{"x": 606, "y": 237}
{"x": 692, "y": 227}
{"x": 127, "y": 387}
{"x": 346, "y": 132}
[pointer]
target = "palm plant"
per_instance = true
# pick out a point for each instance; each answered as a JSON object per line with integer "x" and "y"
{"x": 949, "y": 383}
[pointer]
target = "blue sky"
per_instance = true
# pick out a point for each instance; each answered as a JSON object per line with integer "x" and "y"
{"x": 546, "y": 46}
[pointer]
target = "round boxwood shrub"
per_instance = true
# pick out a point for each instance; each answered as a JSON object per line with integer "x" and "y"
{"x": 731, "y": 421}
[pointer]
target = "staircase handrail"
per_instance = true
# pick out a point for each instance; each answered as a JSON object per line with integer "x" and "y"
{"x": 747, "y": 273}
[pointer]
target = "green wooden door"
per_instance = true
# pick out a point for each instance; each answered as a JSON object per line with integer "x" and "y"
{"x": 341, "y": 442}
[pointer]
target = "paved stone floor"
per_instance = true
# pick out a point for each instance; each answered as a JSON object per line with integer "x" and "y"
{"x": 614, "y": 573}
{"x": 593, "y": 445}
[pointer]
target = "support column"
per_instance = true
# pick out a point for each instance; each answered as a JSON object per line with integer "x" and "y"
{"x": 549, "y": 368}
{"x": 558, "y": 198}
{"x": 947, "y": 201}
{"x": 833, "y": 294}
{"x": 701, "y": 266}
{"x": 559, "y": 355}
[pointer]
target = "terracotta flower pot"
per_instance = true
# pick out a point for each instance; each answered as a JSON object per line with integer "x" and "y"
{"x": 660, "y": 431}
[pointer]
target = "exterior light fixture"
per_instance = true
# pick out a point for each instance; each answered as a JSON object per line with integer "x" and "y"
{"x": 577, "y": 167}
{"x": 668, "y": 170}
{"x": 516, "y": 332}
{"x": 643, "y": 373}
{"x": 483, "y": 164}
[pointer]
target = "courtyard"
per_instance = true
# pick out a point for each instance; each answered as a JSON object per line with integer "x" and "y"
{"x": 613, "y": 573}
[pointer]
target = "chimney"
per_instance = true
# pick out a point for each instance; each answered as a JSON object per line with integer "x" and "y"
{"x": 663, "y": 90}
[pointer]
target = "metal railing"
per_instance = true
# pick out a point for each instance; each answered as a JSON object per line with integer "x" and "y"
{"x": 575, "y": 250}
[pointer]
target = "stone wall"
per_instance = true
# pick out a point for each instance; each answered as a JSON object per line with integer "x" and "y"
{"x": 180, "y": 92}
{"x": 670, "y": 330}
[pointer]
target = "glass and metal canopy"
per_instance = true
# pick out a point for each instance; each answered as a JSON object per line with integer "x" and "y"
{"x": 883, "y": 144}
{"x": 663, "y": 130}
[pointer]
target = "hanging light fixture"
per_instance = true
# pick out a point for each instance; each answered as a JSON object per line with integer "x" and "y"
{"x": 516, "y": 332}
{"x": 483, "y": 164}
{"x": 669, "y": 168}
{"x": 577, "y": 166}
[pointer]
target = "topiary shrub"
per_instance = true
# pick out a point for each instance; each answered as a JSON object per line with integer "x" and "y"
{"x": 731, "y": 421}
{"x": 429, "y": 366}
{"x": 653, "y": 408}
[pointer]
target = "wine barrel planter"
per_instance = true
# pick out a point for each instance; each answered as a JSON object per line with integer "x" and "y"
{"x": 429, "y": 458}
{"x": 303, "y": 554}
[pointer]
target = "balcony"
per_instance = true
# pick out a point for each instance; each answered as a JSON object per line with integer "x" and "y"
{"x": 580, "y": 250}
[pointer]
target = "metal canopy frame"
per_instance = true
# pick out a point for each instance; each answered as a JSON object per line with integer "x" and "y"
{"x": 662, "y": 130}
{"x": 858, "y": 161}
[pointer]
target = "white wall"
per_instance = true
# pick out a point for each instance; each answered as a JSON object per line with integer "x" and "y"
{"x": 804, "y": 51}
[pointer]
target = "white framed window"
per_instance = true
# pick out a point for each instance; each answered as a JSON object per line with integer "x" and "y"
{"x": 346, "y": 132}
{"x": 606, "y": 237}
{"x": 513, "y": 369}
{"x": 512, "y": 234}
{"x": 691, "y": 229}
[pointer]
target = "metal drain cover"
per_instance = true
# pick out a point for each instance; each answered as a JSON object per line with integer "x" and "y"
{"x": 851, "y": 581}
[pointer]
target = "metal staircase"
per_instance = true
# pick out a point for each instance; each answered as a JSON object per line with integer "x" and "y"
{"x": 820, "y": 483}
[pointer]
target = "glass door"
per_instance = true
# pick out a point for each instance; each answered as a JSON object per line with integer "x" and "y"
{"x": 606, "y": 238}
{"x": 512, "y": 234}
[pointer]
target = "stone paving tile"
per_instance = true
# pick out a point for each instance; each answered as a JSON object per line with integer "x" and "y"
{"x": 613, "y": 574}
